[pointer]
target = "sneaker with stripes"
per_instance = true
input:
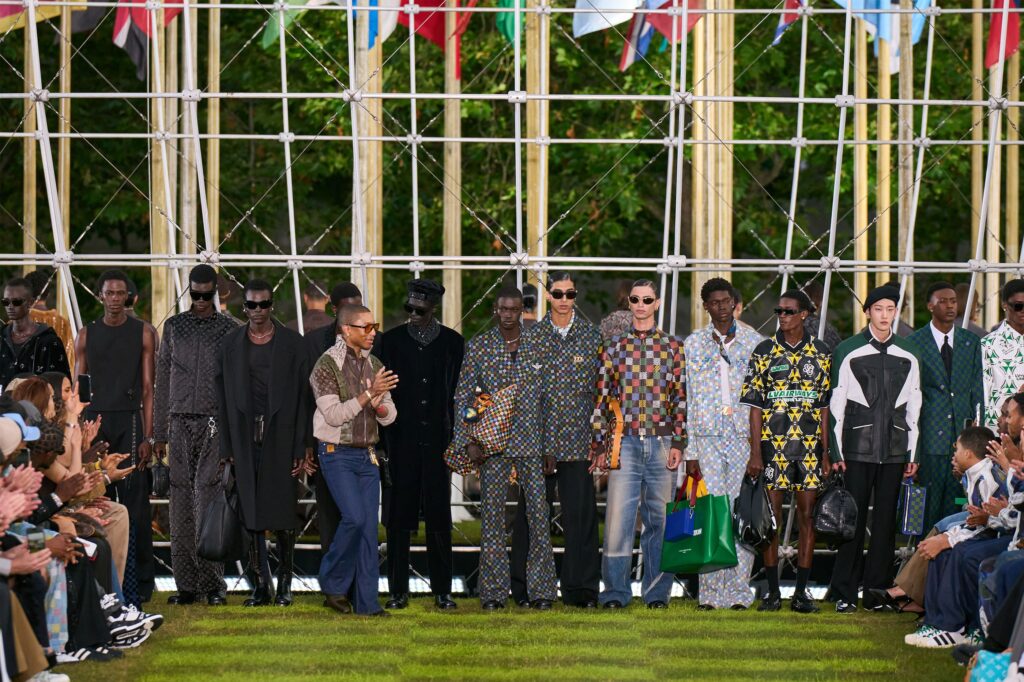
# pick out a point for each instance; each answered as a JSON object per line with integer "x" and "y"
{"x": 132, "y": 639}
{"x": 927, "y": 637}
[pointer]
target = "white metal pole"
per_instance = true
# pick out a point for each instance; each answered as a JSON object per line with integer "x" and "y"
{"x": 794, "y": 193}
{"x": 518, "y": 113}
{"x": 286, "y": 139}
{"x": 415, "y": 142}
{"x": 667, "y": 233}
{"x": 357, "y": 184}
{"x": 192, "y": 107}
{"x": 684, "y": 40}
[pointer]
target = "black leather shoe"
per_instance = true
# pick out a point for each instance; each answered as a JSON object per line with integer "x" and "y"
{"x": 445, "y": 602}
{"x": 705, "y": 607}
{"x": 737, "y": 607}
{"x": 523, "y": 603}
{"x": 380, "y": 614}
{"x": 339, "y": 603}
{"x": 588, "y": 604}
{"x": 492, "y": 605}
{"x": 216, "y": 598}
{"x": 397, "y": 601}
{"x": 613, "y": 604}
{"x": 541, "y": 605}
{"x": 657, "y": 605}
{"x": 286, "y": 553}
{"x": 802, "y": 603}
{"x": 260, "y": 596}
{"x": 182, "y": 599}
{"x": 770, "y": 602}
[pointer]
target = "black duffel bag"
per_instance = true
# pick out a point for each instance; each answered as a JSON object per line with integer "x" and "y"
{"x": 221, "y": 535}
{"x": 835, "y": 512}
{"x": 753, "y": 520}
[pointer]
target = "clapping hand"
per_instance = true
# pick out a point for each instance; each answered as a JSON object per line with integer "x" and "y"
{"x": 996, "y": 452}
{"x": 90, "y": 429}
{"x": 24, "y": 562}
{"x": 383, "y": 381}
{"x": 995, "y": 505}
{"x": 976, "y": 517}
{"x": 110, "y": 464}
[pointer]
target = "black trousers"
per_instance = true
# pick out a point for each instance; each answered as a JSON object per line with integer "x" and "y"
{"x": 581, "y": 563}
{"x": 123, "y": 430}
{"x": 87, "y": 624}
{"x": 31, "y": 592}
{"x": 865, "y": 482}
{"x": 439, "y": 561}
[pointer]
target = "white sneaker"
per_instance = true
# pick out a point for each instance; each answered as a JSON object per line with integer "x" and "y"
{"x": 129, "y": 619}
{"x": 132, "y": 639}
{"x": 47, "y": 676}
{"x": 927, "y": 637}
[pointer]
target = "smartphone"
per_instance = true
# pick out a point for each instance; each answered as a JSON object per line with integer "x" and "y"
{"x": 36, "y": 539}
{"x": 84, "y": 388}
{"x": 22, "y": 458}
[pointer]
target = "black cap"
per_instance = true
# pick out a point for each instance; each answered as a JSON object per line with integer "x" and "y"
{"x": 425, "y": 290}
{"x": 881, "y": 293}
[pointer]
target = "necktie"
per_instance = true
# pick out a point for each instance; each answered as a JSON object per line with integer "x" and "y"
{"x": 947, "y": 354}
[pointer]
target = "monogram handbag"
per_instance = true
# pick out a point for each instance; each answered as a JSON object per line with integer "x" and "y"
{"x": 912, "y": 505}
{"x": 490, "y": 428}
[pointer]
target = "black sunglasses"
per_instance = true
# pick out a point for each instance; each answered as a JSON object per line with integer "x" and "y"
{"x": 648, "y": 300}
{"x": 413, "y": 310}
{"x": 11, "y": 302}
{"x": 1017, "y": 307}
{"x": 786, "y": 311}
{"x": 253, "y": 305}
{"x": 375, "y": 326}
{"x": 558, "y": 294}
{"x": 201, "y": 295}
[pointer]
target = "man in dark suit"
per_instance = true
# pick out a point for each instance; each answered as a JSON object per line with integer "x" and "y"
{"x": 951, "y": 387}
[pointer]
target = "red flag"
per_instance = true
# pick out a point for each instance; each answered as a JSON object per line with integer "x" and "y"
{"x": 431, "y": 26}
{"x": 132, "y": 30}
{"x": 663, "y": 22}
{"x": 995, "y": 30}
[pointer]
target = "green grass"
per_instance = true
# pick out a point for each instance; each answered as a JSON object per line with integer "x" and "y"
{"x": 309, "y": 642}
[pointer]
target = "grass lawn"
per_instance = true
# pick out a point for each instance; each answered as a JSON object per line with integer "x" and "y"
{"x": 308, "y": 641}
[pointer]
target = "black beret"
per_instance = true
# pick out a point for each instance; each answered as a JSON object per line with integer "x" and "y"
{"x": 881, "y": 293}
{"x": 425, "y": 290}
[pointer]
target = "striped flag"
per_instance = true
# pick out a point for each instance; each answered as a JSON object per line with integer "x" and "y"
{"x": 663, "y": 22}
{"x": 995, "y": 29}
{"x": 638, "y": 40}
{"x": 787, "y": 19}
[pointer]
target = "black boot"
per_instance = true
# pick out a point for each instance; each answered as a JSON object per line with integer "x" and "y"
{"x": 286, "y": 562}
{"x": 260, "y": 589}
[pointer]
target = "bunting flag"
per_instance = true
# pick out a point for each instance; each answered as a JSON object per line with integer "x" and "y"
{"x": 431, "y": 25}
{"x": 506, "y": 21}
{"x": 13, "y": 17}
{"x": 609, "y": 13}
{"x": 384, "y": 22}
{"x": 787, "y": 19}
{"x": 995, "y": 29}
{"x": 132, "y": 31}
{"x": 886, "y": 26}
{"x": 638, "y": 40}
{"x": 663, "y": 22}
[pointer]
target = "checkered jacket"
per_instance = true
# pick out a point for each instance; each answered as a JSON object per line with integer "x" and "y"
{"x": 645, "y": 372}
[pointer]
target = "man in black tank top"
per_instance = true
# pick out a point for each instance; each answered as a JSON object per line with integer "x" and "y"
{"x": 118, "y": 352}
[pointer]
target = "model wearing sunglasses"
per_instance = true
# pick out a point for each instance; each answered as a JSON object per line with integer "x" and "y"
{"x": 648, "y": 300}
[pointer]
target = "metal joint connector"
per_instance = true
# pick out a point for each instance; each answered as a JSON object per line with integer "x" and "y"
{"x": 176, "y": 264}
{"x": 280, "y": 6}
{"x": 933, "y": 11}
{"x": 361, "y": 258}
{"x": 925, "y": 142}
{"x": 905, "y": 270}
{"x": 190, "y": 95}
{"x": 786, "y": 269}
{"x": 209, "y": 257}
{"x": 349, "y": 95}
{"x": 294, "y": 264}
{"x": 411, "y": 8}
{"x": 539, "y": 268}
{"x": 805, "y": 11}
{"x": 519, "y": 259}
{"x": 543, "y": 141}
{"x": 829, "y": 263}
{"x": 997, "y": 104}
{"x": 283, "y": 137}
{"x": 664, "y": 269}
{"x": 39, "y": 95}
{"x": 544, "y": 9}
{"x": 682, "y": 98}
{"x": 162, "y": 136}
{"x": 677, "y": 262}
{"x": 844, "y": 101}
{"x": 153, "y": 5}
{"x": 414, "y": 139}
{"x": 517, "y": 97}
{"x": 417, "y": 266}
{"x": 668, "y": 141}
{"x": 977, "y": 265}
{"x": 798, "y": 142}
{"x": 63, "y": 258}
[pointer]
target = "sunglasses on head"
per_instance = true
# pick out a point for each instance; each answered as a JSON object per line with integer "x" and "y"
{"x": 201, "y": 295}
{"x": 5, "y": 302}
{"x": 413, "y": 310}
{"x": 375, "y": 326}
{"x": 786, "y": 311}
{"x": 263, "y": 305}
{"x": 648, "y": 300}
{"x": 1017, "y": 307}
{"x": 559, "y": 294}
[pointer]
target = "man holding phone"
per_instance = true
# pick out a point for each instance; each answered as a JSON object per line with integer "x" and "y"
{"x": 118, "y": 352}
{"x": 185, "y": 425}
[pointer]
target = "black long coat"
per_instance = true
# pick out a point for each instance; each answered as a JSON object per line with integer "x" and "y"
{"x": 416, "y": 441}
{"x": 267, "y": 491}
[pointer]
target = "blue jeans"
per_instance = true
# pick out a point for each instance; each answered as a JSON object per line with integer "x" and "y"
{"x": 952, "y": 520}
{"x": 642, "y": 480}
{"x": 354, "y": 482}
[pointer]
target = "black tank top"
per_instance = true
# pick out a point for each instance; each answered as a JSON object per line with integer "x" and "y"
{"x": 114, "y": 355}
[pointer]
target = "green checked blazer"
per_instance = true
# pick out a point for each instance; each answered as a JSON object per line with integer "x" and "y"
{"x": 947, "y": 400}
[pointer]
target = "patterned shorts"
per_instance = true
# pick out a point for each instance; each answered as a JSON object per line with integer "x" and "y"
{"x": 795, "y": 475}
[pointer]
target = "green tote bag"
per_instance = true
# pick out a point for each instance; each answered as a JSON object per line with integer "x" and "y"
{"x": 711, "y": 547}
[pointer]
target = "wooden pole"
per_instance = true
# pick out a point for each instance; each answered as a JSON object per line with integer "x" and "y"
{"x": 28, "y": 146}
{"x": 368, "y": 61}
{"x": 993, "y": 231}
{"x": 977, "y": 118}
{"x": 905, "y": 161}
{"x": 213, "y": 126}
{"x": 162, "y": 296}
{"x": 452, "y": 202}
{"x": 699, "y": 222}
{"x": 860, "y": 171}
{"x": 883, "y": 172}
{"x": 1013, "y": 163}
{"x": 537, "y": 44}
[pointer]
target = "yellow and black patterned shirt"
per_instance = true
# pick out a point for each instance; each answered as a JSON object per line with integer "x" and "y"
{"x": 791, "y": 386}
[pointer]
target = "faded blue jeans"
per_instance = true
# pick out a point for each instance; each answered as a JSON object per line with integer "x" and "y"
{"x": 642, "y": 480}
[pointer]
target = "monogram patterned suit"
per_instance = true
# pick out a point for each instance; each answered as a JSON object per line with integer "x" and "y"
{"x": 948, "y": 400}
